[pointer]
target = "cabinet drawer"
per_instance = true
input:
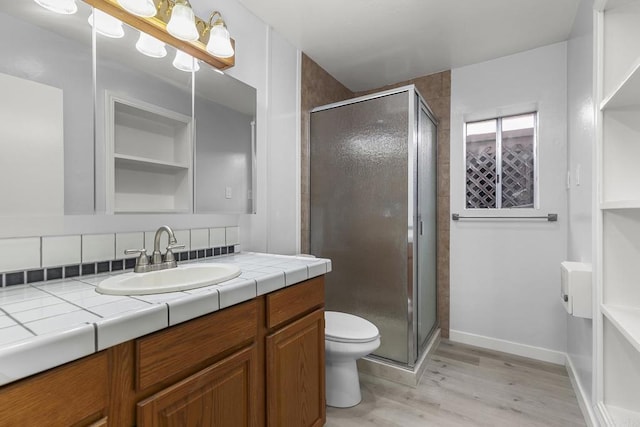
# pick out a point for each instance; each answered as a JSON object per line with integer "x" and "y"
{"x": 289, "y": 303}
{"x": 167, "y": 353}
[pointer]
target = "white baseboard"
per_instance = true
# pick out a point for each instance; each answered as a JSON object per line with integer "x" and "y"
{"x": 532, "y": 352}
{"x": 583, "y": 399}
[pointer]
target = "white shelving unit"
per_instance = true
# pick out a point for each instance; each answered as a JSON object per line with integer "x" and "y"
{"x": 618, "y": 230}
{"x": 149, "y": 158}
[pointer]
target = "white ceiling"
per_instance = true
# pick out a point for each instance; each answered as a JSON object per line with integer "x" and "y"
{"x": 366, "y": 44}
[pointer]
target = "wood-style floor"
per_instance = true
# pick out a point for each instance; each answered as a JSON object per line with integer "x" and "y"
{"x": 468, "y": 386}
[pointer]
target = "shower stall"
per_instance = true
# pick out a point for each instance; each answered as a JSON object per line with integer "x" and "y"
{"x": 373, "y": 213}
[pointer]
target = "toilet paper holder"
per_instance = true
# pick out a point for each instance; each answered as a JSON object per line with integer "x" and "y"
{"x": 576, "y": 288}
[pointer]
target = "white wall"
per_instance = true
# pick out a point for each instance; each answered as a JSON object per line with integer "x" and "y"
{"x": 284, "y": 158}
{"x": 581, "y": 139}
{"x": 254, "y": 59}
{"x": 267, "y": 62}
{"x": 505, "y": 275}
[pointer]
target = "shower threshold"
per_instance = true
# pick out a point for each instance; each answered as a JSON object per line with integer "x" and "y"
{"x": 402, "y": 374}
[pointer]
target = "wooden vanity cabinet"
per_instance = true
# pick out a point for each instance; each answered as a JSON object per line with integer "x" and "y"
{"x": 295, "y": 378}
{"x": 257, "y": 363}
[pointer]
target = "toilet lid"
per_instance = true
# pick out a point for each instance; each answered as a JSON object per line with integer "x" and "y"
{"x": 345, "y": 327}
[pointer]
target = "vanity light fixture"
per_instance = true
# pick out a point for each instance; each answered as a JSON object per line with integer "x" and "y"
{"x": 173, "y": 22}
{"x": 219, "y": 40}
{"x": 64, "y": 7}
{"x": 185, "y": 62}
{"x": 150, "y": 46}
{"x": 143, "y": 8}
{"x": 182, "y": 23}
{"x": 106, "y": 24}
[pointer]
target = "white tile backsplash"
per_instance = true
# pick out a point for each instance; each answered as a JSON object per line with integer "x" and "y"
{"x": 19, "y": 254}
{"x": 184, "y": 238}
{"x": 217, "y": 237}
{"x": 232, "y": 236}
{"x": 60, "y": 250}
{"x": 98, "y": 247}
{"x": 200, "y": 239}
{"x": 126, "y": 241}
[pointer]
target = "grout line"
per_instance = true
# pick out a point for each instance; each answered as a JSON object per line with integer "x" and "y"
{"x": 95, "y": 336}
{"x": 17, "y": 321}
{"x": 70, "y": 302}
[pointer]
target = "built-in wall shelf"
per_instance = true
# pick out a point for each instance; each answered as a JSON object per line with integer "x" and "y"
{"x": 626, "y": 320}
{"x": 627, "y": 93}
{"x": 617, "y": 324}
{"x": 155, "y": 211}
{"x": 150, "y": 158}
{"x": 142, "y": 163}
{"x": 620, "y": 204}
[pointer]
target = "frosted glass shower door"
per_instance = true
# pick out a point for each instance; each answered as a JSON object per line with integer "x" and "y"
{"x": 427, "y": 293}
{"x": 359, "y": 212}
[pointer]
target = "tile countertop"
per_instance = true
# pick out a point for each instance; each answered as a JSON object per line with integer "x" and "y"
{"x": 47, "y": 324}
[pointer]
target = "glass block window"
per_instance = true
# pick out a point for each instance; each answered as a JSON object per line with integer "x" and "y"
{"x": 501, "y": 162}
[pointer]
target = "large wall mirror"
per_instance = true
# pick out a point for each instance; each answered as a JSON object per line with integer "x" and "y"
{"x": 143, "y": 136}
{"x": 46, "y": 111}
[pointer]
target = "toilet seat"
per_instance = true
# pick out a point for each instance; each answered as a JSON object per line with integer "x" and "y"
{"x": 347, "y": 328}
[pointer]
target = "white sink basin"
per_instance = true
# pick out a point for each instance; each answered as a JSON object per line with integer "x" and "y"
{"x": 176, "y": 279}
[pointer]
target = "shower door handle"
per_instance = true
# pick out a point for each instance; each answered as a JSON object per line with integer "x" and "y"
{"x": 421, "y": 227}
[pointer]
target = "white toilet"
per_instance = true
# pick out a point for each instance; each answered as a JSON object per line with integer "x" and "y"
{"x": 347, "y": 338}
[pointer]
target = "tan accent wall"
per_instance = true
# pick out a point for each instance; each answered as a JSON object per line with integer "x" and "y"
{"x": 320, "y": 88}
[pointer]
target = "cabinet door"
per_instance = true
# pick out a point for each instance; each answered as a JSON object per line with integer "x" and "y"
{"x": 221, "y": 395}
{"x": 295, "y": 373}
{"x": 72, "y": 394}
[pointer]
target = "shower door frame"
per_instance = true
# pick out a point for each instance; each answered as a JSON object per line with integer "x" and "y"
{"x": 421, "y": 104}
{"x": 416, "y": 102}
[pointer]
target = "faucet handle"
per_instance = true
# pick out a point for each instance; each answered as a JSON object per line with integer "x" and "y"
{"x": 142, "y": 262}
{"x": 168, "y": 257}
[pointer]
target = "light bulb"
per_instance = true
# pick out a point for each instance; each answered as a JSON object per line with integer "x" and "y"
{"x": 219, "y": 42}
{"x": 182, "y": 23}
{"x": 185, "y": 62}
{"x": 64, "y": 7}
{"x": 151, "y": 46}
{"x": 144, "y": 8}
{"x": 106, "y": 24}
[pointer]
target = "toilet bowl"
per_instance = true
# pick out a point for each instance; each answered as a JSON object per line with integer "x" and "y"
{"x": 347, "y": 338}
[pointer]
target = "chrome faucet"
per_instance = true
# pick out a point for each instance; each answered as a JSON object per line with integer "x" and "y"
{"x": 157, "y": 262}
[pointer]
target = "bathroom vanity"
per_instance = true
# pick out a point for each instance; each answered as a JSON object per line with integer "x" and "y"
{"x": 254, "y": 363}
